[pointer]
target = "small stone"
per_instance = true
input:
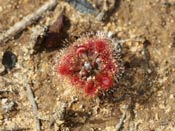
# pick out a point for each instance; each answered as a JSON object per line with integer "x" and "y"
{"x": 9, "y": 60}
{"x": 171, "y": 96}
{"x": 168, "y": 109}
{"x": 92, "y": 129}
{"x": 161, "y": 106}
{"x": 7, "y": 105}
{"x": 1, "y": 116}
{"x": 1, "y": 9}
{"x": 82, "y": 106}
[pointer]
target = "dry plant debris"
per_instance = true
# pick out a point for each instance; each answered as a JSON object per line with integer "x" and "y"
{"x": 26, "y": 21}
{"x": 31, "y": 98}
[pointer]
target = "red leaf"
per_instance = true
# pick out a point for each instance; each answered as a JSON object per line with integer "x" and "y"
{"x": 105, "y": 81}
{"x": 90, "y": 89}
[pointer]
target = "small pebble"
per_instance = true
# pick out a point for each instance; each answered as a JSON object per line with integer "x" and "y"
{"x": 7, "y": 105}
{"x": 1, "y": 9}
{"x": 83, "y": 6}
{"x": 1, "y": 117}
{"x": 9, "y": 60}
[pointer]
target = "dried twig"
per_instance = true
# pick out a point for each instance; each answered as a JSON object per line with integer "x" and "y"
{"x": 58, "y": 116}
{"x": 34, "y": 106}
{"x": 4, "y": 90}
{"x": 124, "y": 109}
{"x": 16, "y": 128}
{"x": 120, "y": 124}
{"x": 28, "y": 20}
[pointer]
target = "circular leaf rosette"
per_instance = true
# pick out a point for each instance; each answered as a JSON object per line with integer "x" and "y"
{"x": 92, "y": 64}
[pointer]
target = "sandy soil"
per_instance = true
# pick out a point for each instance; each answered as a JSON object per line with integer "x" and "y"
{"x": 145, "y": 94}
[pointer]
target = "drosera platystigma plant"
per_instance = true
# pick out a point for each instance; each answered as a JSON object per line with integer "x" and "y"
{"x": 92, "y": 63}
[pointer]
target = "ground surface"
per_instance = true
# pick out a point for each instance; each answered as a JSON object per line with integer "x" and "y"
{"x": 147, "y": 89}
